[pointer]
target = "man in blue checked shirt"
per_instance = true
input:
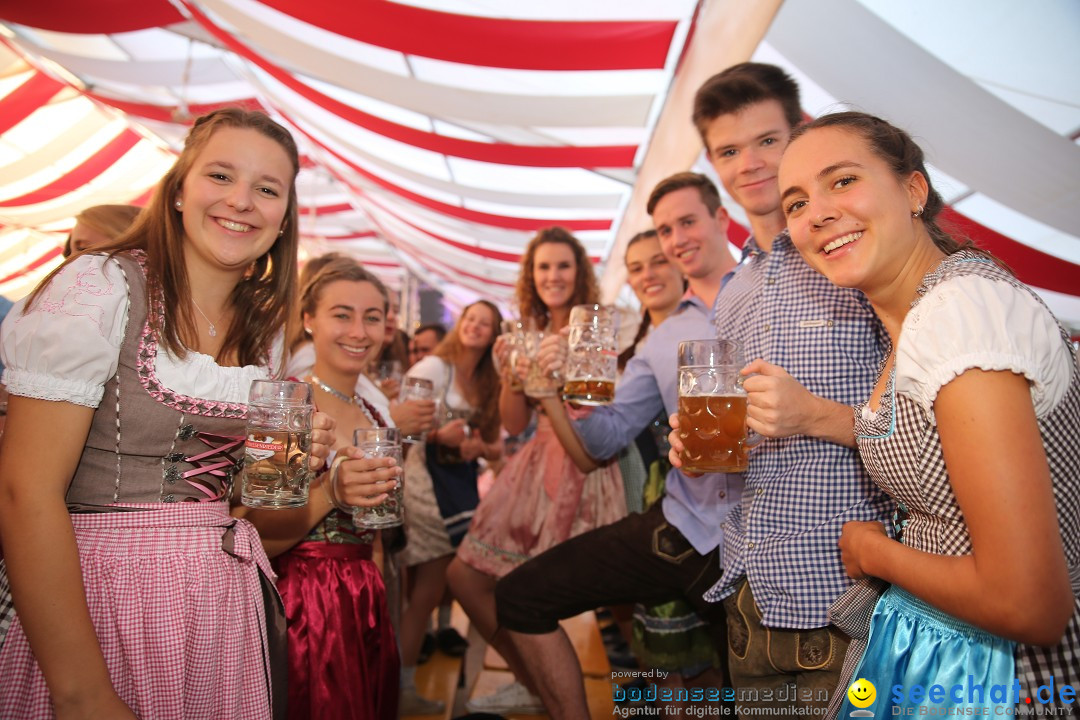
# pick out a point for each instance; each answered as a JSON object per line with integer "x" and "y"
{"x": 817, "y": 350}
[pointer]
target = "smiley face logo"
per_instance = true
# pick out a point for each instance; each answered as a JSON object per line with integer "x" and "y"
{"x": 862, "y": 693}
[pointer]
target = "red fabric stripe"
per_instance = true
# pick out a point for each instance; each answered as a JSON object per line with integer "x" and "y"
{"x": 593, "y": 156}
{"x": 103, "y": 16}
{"x": 492, "y": 42}
{"x": 503, "y": 221}
{"x": 47, "y": 257}
{"x": 96, "y": 164}
{"x": 1032, "y": 266}
{"x": 25, "y": 99}
{"x": 510, "y": 257}
{"x": 434, "y": 265}
{"x": 351, "y": 236}
{"x": 737, "y": 234}
{"x": 327, "y": 209}
{"x": 167, "y": 113}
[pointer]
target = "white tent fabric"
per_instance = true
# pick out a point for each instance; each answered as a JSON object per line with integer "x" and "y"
{"x": 438, "y": 135}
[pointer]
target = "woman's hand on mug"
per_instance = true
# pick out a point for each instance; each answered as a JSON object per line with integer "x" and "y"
{"x": 552, "y": 353}
{"x": 322, "y": 438}
{"x": 858, "y": 542}
{"x": 362, "y": 481}
{"x": 413, "y": 417}
{"x": 453, "y": 433}
{"x": 777, "y": 405}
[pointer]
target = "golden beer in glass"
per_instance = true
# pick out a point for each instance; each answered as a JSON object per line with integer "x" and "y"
{"x": 592, "y": 355}
{"x": 712, "y": 407}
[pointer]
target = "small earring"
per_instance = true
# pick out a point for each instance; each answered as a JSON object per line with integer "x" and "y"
{"x": 281, "y": 232}
{"x": 917, "y": 213}
{"x": 179, "y": 204}
{"x": 307, "y": 330}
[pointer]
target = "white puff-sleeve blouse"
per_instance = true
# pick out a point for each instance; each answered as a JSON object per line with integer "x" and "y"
{"x": 67, "y": 346}
{"x": 971, "y": 322}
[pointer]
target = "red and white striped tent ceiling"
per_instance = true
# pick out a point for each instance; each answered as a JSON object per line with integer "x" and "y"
{"x": 438, "y": 135}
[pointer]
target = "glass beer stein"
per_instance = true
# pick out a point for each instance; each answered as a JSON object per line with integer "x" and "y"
{"x": 712, "y": 407}
{"x": 513, "y": 331}
{"x": 276, "y": 472}
{"x": 379, "y": 442}
{"x": 538, "y": 384}
{"x": 592, "y": 359}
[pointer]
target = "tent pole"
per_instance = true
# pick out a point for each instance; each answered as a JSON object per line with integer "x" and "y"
{"x": 727, "y": 32}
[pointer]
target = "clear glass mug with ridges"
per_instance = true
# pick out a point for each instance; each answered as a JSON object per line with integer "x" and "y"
{"x": 417, "y": 388}
{"x": 513, "y": 332}
{"x": 277, "y": 445}
{"x": 592, "y": 355}
{"x": 379, "y": 443}
{"x": 712, "y": 407}
{"x": 538, "y": 384}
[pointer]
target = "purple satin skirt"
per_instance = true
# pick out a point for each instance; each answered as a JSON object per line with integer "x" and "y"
{"x": 343, "y": 657}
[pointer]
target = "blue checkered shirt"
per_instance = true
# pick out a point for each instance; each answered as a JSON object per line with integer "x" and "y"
{"x": 799, "y": 490}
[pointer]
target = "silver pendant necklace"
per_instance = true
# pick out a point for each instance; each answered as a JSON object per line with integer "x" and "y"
{"x": 213, "y": 329}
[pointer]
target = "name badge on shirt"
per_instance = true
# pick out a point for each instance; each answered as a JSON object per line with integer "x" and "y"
{"x": 813, "y": 323}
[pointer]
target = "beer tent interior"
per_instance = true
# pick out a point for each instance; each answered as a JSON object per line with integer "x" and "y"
{"x": 438, "y": 135}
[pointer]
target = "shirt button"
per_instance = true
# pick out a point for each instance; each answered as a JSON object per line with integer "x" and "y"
{"x": 771, "y": 281}
{"x": 759, "y": 491}
{"x": 722, "y": 494}
{"x": 750, "y": 545}
{"x": 767, "y": 327}
{"x": 831, "y": 323}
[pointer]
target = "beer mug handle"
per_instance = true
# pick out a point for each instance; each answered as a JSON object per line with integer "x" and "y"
{"x": 753, "y": 438}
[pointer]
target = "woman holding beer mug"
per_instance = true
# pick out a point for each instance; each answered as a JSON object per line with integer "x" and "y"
{"x": 972, "y": 426}
{"x": 441, "y": 493}
{"x": 343, "y": 660}
{"x": 129, "y": 369}
{"x": 540, "y": 497}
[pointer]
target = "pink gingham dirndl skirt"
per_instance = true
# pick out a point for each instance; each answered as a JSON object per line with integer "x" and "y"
{"x": 180, "y": 621}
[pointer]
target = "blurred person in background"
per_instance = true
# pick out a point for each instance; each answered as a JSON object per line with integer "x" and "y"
{"x": 99, "y": 225}
{"x": 441, "y": 493}
{"x": 424, "y": 341}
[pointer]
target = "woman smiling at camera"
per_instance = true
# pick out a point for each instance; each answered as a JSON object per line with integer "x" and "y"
{"x": 138, "y": 595}
{"x": 542, "y": 496}
{"x": 343, "y": 660}
{"x": 972, "y": 426}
